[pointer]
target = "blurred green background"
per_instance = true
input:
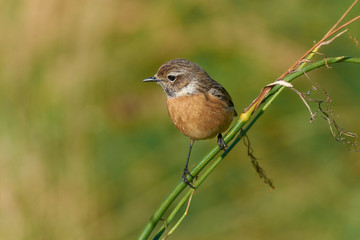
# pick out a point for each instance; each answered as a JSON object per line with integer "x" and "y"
{"x": 87, "y": 150}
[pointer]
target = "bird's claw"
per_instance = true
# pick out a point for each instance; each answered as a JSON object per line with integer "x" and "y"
{"x": 221, "y": 143}
{"x": 184, "y": 178}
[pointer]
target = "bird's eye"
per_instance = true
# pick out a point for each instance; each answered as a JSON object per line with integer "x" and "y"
{"x": 171, "y": 78}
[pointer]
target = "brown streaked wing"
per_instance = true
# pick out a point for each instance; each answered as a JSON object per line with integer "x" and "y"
{"x": 220, "y": 92}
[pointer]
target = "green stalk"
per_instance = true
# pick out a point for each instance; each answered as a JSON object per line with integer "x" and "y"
{"x": 149, "y": 227}
{"x": 201, "y": 179}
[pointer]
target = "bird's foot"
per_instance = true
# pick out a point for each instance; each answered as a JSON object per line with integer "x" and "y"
{"x": 221, "y": 143}
{"x": 185, "y": 180}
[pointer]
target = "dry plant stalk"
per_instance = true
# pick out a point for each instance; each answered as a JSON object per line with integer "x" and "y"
{"x": 341, "y": 135}
{"x": 301, "y": 61}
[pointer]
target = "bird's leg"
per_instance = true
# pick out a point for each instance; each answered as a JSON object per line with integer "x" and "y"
{"x": 186, "y": 170}
{"x": 221, "y": 142}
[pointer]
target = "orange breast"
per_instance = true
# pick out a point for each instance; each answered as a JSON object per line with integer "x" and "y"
{"x": 199, "y": 117}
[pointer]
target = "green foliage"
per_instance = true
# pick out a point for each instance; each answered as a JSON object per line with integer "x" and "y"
{"x": 87, "y": 149}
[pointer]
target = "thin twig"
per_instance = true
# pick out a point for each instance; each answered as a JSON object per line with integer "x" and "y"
{"x": 182, "y": 217}
{"x": 327, "y": 35}
{"x": 303, "y": 60}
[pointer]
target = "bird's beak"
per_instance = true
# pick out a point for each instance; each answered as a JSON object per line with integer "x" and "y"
{"x": 152, "y": 79}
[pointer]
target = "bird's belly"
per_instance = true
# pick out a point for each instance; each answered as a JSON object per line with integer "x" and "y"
{"x": 199, "y": 117}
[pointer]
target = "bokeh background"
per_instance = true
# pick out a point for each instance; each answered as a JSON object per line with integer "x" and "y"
{"x": 87, "y": 150}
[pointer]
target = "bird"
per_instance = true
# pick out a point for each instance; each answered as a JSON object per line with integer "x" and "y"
{"x": 199, "y": 106}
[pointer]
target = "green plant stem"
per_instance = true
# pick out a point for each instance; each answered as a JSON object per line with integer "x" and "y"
{"x": 149, "y": 227}
{"x": 186, "y": 197}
